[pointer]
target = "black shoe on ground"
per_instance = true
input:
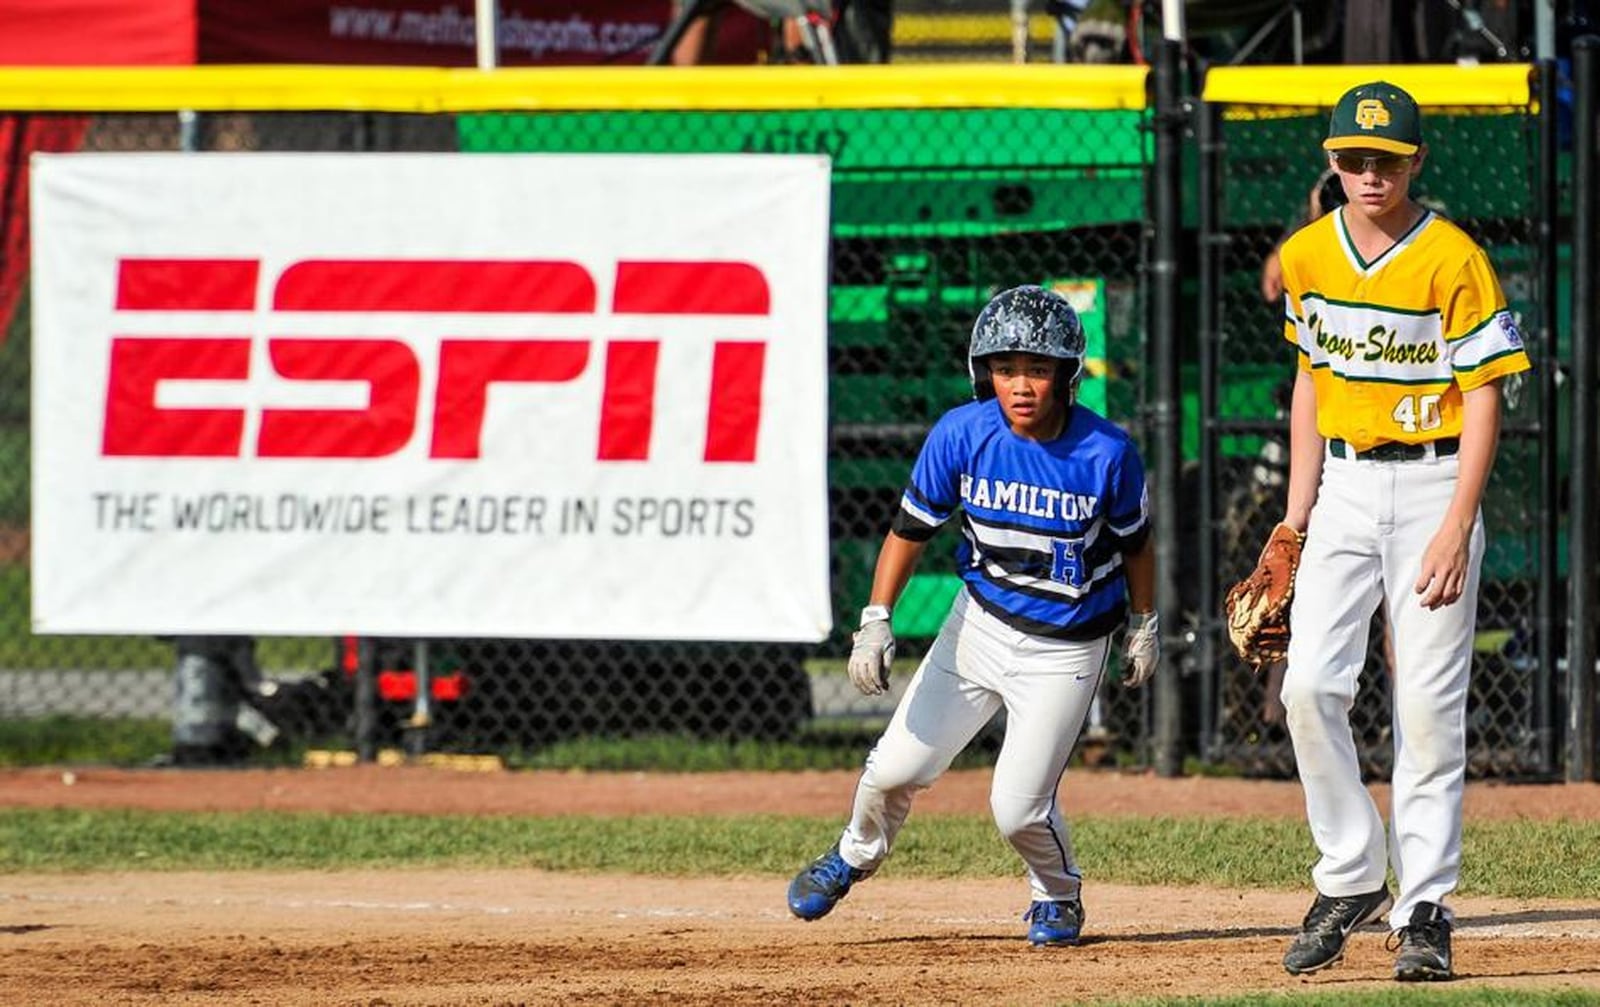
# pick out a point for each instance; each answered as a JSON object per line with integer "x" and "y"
{"x": 1424, "y": 946}
{"x": 1327, "y": 926}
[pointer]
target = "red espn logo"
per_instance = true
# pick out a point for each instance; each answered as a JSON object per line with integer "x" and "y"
{"x": 136, "y": 427}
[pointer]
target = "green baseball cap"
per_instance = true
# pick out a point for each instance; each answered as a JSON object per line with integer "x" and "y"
{"x": 1375, "y": 116}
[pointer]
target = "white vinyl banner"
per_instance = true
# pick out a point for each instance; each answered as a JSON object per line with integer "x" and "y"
{"x": 558, "y": 396}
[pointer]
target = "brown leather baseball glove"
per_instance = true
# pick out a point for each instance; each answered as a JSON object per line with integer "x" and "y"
{"x": 1258, "y": 606}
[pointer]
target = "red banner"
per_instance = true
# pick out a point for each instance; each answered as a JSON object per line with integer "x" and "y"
{"x": 70, "y": 33}
{"x": 97, "y": 33}
{"x": 20, "y": 137}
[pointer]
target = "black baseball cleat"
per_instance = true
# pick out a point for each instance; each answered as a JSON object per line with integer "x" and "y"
{"x": 1327, "y": 926}
{"x": 1424, "y": 946}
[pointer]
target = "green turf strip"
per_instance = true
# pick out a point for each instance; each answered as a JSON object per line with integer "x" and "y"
{"x": 1522, "y": 859}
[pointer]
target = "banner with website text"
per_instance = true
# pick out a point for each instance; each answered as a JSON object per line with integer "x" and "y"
{"x": 357, "y": 32}
{"x": 553, "y": 396}
{"x": 444, "y": 33}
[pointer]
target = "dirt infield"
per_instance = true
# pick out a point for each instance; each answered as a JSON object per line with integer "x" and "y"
{"x": 519, "y": 937}
{"x": 436, "y": 791}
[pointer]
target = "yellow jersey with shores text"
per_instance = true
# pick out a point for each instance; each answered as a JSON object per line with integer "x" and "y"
{"x": 1391, "y": 344}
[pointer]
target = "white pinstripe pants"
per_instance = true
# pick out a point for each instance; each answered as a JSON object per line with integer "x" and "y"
{"x": 976, "y": 666}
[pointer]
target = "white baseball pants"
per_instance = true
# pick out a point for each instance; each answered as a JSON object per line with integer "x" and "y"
{"x": 1364, "y": 545}
{"x": 977, "y": 665}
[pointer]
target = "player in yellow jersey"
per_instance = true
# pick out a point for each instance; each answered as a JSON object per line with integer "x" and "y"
{"x": 1403, "y": 337}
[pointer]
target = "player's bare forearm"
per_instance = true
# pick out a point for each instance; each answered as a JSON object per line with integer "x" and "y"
{"x": 1446, "y": 562}
{"x": 1480, "y": 438}
{"x": 1306, "y": 448}
{"x": 897, "y": 560}
{"x": 1140, "y": 565}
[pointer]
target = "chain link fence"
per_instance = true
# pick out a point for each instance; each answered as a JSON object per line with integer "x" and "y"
{"x": 933, "y": 210}
{"x": 1273, "y": 178}
{"x": 133, "y": 677}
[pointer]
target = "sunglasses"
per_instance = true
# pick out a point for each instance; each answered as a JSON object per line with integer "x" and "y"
{"x": 1383, "y": 164}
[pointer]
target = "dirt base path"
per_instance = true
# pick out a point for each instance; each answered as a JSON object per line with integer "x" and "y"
{"x": 421, "y": 790}
{"x": 498, "y": 937}
{"x": 404, "y": 937}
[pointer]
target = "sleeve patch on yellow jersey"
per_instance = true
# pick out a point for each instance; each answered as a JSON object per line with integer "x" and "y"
{"x": 1509, "y": 323}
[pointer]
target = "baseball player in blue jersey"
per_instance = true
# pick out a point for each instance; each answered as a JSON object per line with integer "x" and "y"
{"x": 1055, "y": 549}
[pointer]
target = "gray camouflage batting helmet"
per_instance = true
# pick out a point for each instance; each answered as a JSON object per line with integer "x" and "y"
{"x": 1026, "y": 320}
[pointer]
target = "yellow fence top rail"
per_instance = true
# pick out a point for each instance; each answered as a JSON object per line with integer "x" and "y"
{"x": 1493, "y": 84}
{"x": 427, "y": 89}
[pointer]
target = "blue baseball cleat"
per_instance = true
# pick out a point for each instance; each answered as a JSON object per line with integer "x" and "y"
{"x": 1054, "y": 922}
{"x": 816, "y": 890}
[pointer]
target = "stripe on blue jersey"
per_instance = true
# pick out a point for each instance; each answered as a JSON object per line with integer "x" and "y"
{"x": 1025, "y": 561}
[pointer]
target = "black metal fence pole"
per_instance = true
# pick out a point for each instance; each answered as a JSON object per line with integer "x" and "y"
{"x": 366, "y": 700}
{"x": 1581, "y": 518}
{"x": 1165, "y": 409}
{"x": 1208, "y": 136}
{"x": 421, "y": 722}
{"x": 1548, "y": 515}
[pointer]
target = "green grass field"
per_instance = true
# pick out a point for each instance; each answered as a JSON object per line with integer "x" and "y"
{"x": 14, "y": 461}
{"x": 77, "y": 741}
{"x": 1516, "y": 859}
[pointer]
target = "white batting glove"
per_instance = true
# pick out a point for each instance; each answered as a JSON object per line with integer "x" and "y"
{"x": 1141, "y": 649}
{"x": 871, "y": 657}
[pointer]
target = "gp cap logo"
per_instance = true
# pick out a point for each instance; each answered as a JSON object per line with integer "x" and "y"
{"x": 1375, "y": 116}
{"x": 1370, "y": 113}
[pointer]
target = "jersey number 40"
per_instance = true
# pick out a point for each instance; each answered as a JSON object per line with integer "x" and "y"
{"x": 1414, "y": 413}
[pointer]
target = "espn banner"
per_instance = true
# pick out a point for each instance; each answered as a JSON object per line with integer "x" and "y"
{"x": 554, "y": 396}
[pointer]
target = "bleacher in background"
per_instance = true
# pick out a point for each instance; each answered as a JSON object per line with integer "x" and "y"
{"x": 928, "y": 31}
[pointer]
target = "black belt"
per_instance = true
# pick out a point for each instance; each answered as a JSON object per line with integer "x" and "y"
{"x": 1395, "y": 451}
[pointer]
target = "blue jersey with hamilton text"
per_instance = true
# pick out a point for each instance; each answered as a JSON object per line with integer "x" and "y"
{"x": 1044, "y": 525}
